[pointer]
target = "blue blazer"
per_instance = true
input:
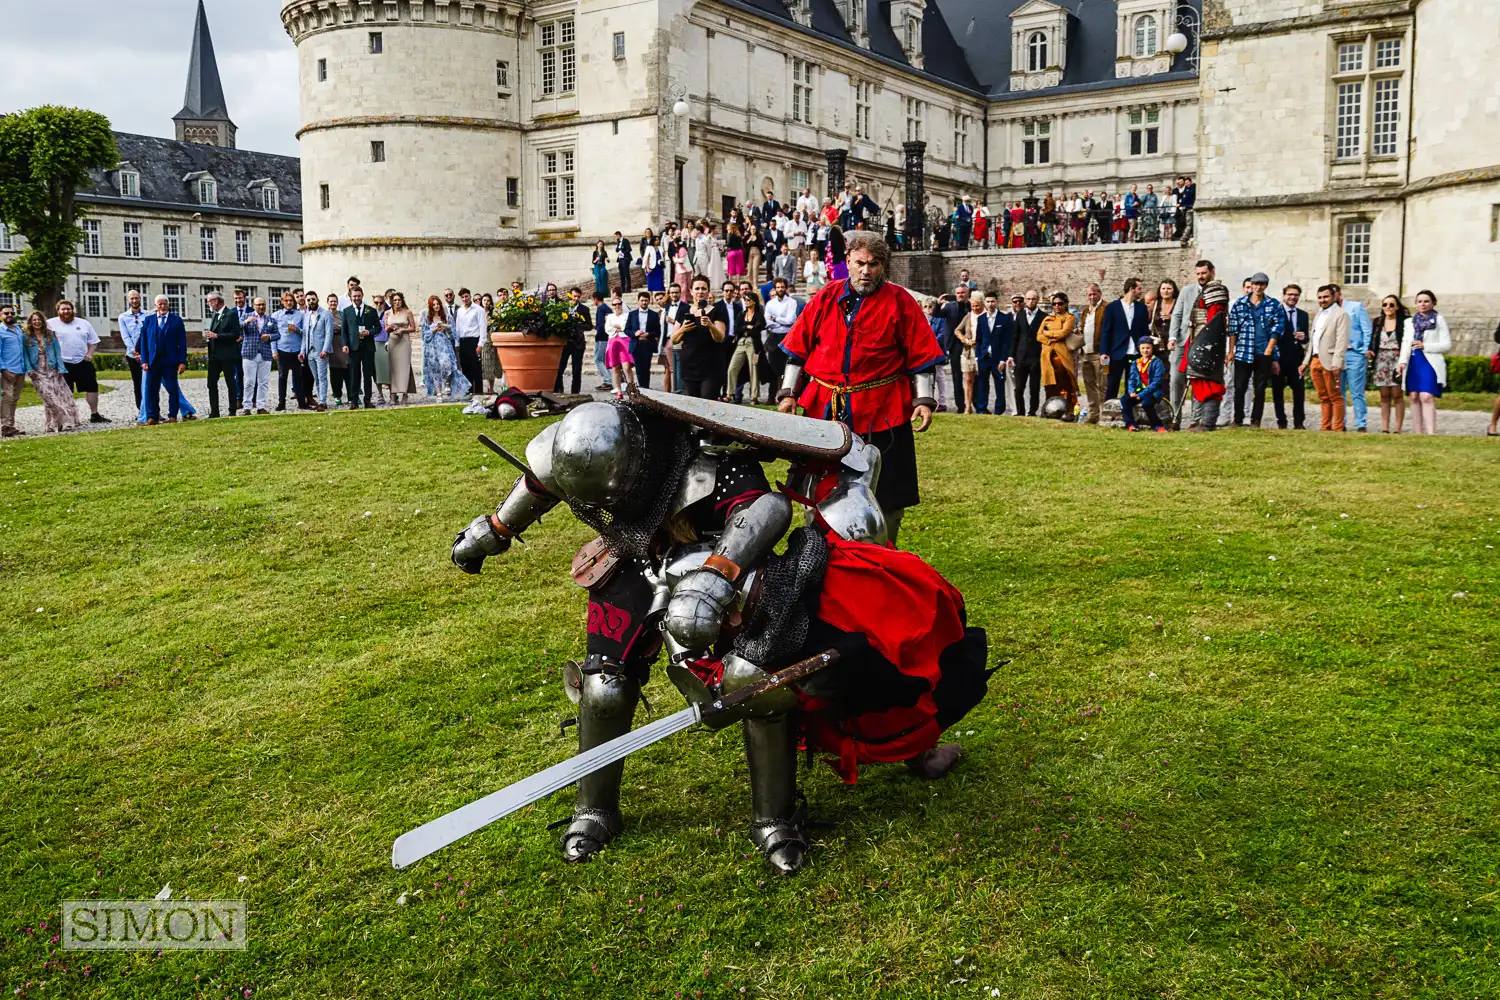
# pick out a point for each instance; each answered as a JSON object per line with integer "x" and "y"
{"x": 1117, "y": 336}
{"x": 993, "y": 347}
{"x": 653, "y": 331}
{"x": 163, "y": 341}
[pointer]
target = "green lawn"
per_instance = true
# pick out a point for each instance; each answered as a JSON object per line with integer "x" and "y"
{"x": 1245, "y": 745}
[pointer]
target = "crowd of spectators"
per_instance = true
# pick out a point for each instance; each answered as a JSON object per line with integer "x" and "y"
{"x": 1174, "y": 353}
{"x": 718, "y": 301}
{"x": 1080, "y": 218}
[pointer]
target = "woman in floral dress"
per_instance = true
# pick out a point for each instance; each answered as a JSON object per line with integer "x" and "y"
{"x": 1385, "y": 351}
{"x": 43, "y": 358}
{"x": 440, "y": 371}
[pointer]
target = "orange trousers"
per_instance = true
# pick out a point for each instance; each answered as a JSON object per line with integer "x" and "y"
{"x": 1330, "y": 388}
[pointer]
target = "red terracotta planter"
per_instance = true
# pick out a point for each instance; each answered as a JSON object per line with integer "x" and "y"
{"x": 530, "y": 363}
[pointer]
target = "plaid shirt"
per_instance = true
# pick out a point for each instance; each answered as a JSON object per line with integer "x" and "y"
{"x": 252, "y": 346}
{"x": 1253, "y": 327}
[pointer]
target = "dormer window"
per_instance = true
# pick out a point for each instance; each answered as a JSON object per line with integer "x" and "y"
{"x": 1141, "y": 28}
{"x": 270, "y": 198}
{"x": 130, "y": 183}
{"x": 853, "y": 14}
{"x": 208, "y": 191}
{"x": 906, "y": 25}
{"x": 1036, "y": 52}
{"x": 1146, "y": 36}
{"x": 1038, "y": 45}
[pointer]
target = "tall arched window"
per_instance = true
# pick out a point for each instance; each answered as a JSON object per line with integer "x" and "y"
{"x": 1036, "y": 52}
{"x": 1145, "y": 36}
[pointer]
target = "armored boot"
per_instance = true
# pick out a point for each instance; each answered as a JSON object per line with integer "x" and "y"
{"x": 775, "y": 816}
{"x": 606, "y": 708}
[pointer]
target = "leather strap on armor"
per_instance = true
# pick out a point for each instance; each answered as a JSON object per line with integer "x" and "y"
{"x": 724, "y": 566}
{"x": 926, "y": 384}
{"x": 789, "y": 379}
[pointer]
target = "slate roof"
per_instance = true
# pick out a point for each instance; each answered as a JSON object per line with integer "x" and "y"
{"x": 164, "y": 163}
{"x": 966, "y": 43}
{"x": 204, "y": 99}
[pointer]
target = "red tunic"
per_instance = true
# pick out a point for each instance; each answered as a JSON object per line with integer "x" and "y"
{"x": 888, "y": 339}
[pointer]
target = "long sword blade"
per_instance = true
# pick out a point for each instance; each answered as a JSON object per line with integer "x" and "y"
{"x": 429, "y": 837}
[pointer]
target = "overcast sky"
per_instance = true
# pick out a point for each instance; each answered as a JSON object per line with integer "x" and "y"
{"x": 128, "y": 59}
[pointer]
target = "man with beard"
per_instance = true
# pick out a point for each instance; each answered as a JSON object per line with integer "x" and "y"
{"x": 868, "y": 355}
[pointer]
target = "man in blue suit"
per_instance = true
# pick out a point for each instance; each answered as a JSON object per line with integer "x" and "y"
{"x": 1125, "y": 322}
{"x": 992, "y": 350}
{"x": 643, "y": 327}
{"x": 163, "y": 349}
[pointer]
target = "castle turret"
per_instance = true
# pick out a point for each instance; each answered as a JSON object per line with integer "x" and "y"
{"x": 411, "y": 147}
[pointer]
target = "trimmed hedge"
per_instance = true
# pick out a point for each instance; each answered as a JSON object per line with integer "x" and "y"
{"x": 1467, "y": 374}
{"x": 197, "y": 361}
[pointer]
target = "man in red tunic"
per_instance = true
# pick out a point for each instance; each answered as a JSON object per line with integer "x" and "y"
{"x": 868, "y": 355}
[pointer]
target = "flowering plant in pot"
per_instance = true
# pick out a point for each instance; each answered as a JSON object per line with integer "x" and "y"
{"x": 531, "y": 334}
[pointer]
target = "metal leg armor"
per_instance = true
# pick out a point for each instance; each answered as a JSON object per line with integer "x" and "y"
{"x": 775, "y": 818}
{"x": 606, "y": 708}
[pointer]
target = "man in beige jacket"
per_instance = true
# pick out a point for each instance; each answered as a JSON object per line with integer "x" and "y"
{"x": 1090, "y": 329}
{"x": 1325, "y": 353}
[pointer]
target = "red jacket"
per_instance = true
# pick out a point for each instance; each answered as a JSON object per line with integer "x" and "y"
{"x": 889, "y": 338}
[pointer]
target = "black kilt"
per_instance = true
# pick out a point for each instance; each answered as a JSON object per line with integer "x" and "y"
{"x": 897, "y": 488}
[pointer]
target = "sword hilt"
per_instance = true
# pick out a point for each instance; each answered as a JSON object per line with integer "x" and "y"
{"x": 792, "y": 674}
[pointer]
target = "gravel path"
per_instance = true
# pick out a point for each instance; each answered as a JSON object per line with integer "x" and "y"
{"x": 119, "y": 406}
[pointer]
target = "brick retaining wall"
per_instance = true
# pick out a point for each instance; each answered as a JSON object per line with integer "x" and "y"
{"x": 1049, "y": 268}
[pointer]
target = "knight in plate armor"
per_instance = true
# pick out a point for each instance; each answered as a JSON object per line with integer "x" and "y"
{"x": 686, "y": 563}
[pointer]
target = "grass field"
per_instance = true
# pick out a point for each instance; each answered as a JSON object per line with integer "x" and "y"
{"x": 1246, "y": 744}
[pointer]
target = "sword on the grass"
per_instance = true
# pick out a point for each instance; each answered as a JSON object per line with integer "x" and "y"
{"x": 429, "y": 837}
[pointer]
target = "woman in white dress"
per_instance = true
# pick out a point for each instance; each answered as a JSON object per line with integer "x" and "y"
{"x": 711, "y": 258}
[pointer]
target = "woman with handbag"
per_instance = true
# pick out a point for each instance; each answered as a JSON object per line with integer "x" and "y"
{"x": 968, "y": 333}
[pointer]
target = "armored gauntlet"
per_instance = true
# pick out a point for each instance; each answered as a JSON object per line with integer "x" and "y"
{"x": 474, "y": 543}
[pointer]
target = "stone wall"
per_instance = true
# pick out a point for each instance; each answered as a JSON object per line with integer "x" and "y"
{"x": 1069, "y": 269}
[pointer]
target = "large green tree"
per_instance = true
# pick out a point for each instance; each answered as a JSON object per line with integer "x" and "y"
{"x": 45, "y": 157}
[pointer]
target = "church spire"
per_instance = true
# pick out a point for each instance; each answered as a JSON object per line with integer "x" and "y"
{"x": 204, "y": 116}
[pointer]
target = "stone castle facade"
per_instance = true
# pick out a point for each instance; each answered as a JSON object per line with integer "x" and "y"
{"x": 183, "y": 217}
{"x": 476, "y": 141}
{"x": 1356, "y": 142}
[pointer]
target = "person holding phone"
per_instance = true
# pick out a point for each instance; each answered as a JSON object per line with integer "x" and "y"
{"x": 697, "y": 340}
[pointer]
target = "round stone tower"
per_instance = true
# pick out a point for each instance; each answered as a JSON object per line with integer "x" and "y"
{"x": 411, "y": 150}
